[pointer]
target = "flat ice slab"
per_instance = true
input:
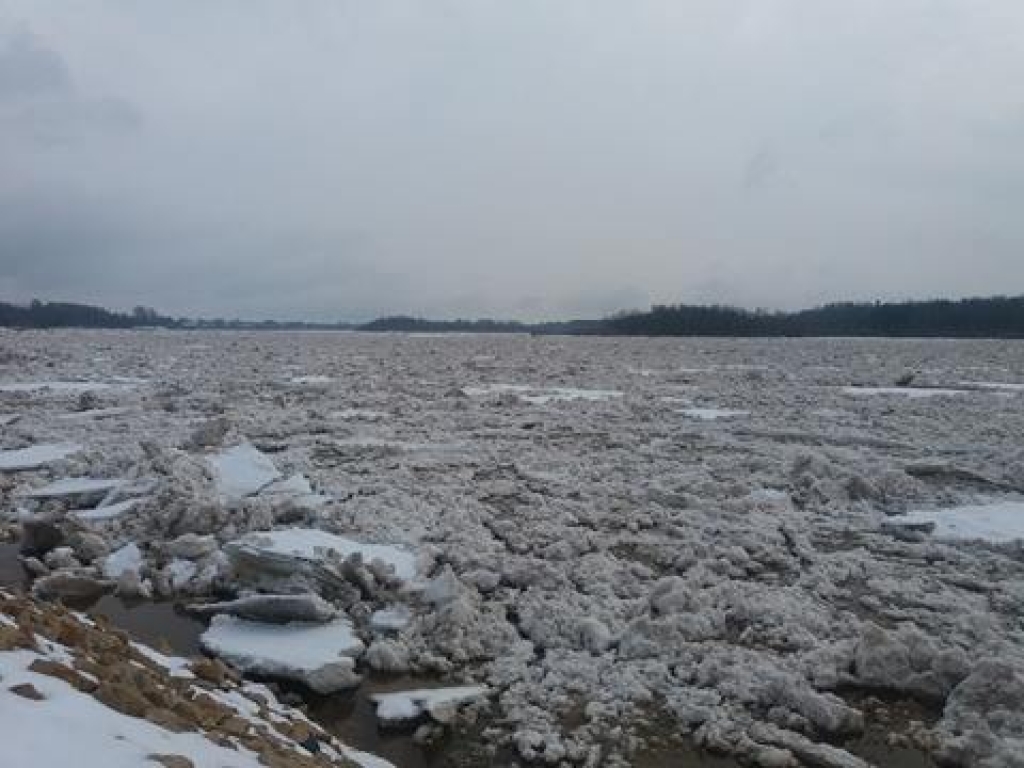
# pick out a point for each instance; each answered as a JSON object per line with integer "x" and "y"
{"x": 36, "y": 456}
{"x": 713, "y": 414}
{"x": 57, "y": 387}
{"x": 998, "y": 523}
{"x": 409, "y": 705}
{"x": 320, "y": 655}
{"x": 543, "y": 395}
{"x": 313, "y": 544}
{"x": 242, "y": 471}
{"x": 997, "y": 386}
{"x": 73, "y": 486}
{"x": 911, "y": 392}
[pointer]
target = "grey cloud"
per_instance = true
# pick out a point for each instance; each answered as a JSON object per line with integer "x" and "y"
{"x": 527, "y": 159}
{"x": 41, "y": 105}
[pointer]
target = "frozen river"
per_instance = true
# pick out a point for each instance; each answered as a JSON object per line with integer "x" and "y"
{"x": 762, "y": 545}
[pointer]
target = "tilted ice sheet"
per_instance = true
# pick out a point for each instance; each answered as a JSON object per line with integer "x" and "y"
{"x": 313, "y": 544}
{"x": 73, "y": 486}
{"x": 242, "y": 471}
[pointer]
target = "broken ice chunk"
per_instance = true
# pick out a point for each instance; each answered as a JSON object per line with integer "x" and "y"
{"x": 127, "y": 559}
{"x": 313, "y": 544}
{"x": 242, "y": 471}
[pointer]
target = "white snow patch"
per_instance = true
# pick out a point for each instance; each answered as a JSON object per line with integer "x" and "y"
{"x": 1000, "y": 522}
{"x": 409, "y": 705}
{"x": 36, "y": 456}
{"x": 176, "y": 666}
{"x": 70, "y": 726}
{"x": 313, "y": 544}
{"x": 242, "y": 471}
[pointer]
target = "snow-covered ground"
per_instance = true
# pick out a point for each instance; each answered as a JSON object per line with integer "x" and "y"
{"x": 542, "y": 518}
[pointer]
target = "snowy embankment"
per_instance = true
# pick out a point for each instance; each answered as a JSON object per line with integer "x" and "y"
{"x": 72, "y": 690}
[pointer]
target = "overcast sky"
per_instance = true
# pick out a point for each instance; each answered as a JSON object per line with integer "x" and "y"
{"x": 515, "y": 158}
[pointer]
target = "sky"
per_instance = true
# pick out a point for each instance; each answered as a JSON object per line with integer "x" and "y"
{"x": 531, "y": 159}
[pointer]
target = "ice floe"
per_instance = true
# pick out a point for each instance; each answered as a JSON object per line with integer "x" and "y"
{"x": 74, "y": 487}
{"x": 713, "y": 414}
{"x": 402, "y": 706}
{"x": 54, "y": 387}
{"x": 542, "y": 395}
{"x": 997, "y": 522}
{"x": 36, "y": 456}
{"x": 998, "y": 386}
{"x": 321, "y": 656}
{"x": 911, "y": 392}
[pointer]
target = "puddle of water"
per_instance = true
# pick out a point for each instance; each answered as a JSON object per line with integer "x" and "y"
{"x": 160, "y": 625}
{"x": 884, "y": 715}
{"x": 12, "y": 575}
{"x": 352, "y": 717}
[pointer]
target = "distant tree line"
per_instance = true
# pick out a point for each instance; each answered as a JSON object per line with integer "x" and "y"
{"x": 999, "y": 317}
{"x": 407, "y": 324}
{"x": 58, "y": 314}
